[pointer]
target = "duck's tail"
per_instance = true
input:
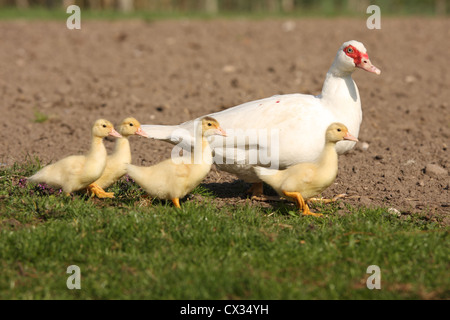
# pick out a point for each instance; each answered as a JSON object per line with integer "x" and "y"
{"x": 270, "y": 176}
{"x": 135, "y": 173}
{"x": 39, "y": 176}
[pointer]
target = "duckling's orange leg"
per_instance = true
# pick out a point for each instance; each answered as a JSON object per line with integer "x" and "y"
{"x": 301, "y": 203}
{"x": 323, "y": 200}
{"x": 176, "y": 202}
{"x": 95, "y": 190}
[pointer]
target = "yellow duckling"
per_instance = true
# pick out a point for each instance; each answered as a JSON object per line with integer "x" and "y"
{"x": 306, "y": 180}
{"x": 172, "y": 180}
{"x": 74, "y": 173}
{"x": 116, "y": 163}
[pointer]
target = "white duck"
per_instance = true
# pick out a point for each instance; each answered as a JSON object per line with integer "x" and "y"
{"x": 296, "y": 123}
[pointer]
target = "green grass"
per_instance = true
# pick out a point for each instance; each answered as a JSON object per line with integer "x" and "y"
{"x": 130, "y": 248}
{"x": 39, "y": 116}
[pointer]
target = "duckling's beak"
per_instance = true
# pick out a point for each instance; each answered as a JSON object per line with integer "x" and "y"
{"x": 219, "y": 131}
{"x": 114, "y": 133}
{"x": 141, "y": 132}
{"x": 350, "y": 137}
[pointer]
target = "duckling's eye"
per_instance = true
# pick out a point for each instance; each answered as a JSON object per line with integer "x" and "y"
{"x": 131, "y": 124}
{"x": 104, "y": 126}
{"x": 339, "y": 130}
{"x": 209, "y": 124}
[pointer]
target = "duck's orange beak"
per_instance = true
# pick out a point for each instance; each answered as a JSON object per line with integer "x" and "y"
{"x": 141, "y": 132}
{"x": 114, "y": 133}
{"x": 350, "y": 137}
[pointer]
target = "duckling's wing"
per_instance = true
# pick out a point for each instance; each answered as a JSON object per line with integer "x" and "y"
{"x": 308, "y": 174}
{"x": 298, "y": 177}
{"x": 182, "y": 170}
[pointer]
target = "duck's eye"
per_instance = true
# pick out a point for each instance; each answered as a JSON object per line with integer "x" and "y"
{"x": 349, "y": 50}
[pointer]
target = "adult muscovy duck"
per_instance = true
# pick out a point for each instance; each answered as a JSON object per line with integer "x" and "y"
{"x": 290, "y": 128}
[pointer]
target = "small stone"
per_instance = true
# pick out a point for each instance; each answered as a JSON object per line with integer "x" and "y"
{"x": 410, "y": 79}
{"x": 435, "y": 171}
{"x": 229, "y": 69}
{"x": 394, "y": 212}
{"x": 365, "y": 146}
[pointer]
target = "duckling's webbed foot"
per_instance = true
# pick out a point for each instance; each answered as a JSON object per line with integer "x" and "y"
{"x": 95, "y": 190}
{"x": 303, "y": 207}
{"x": 324, "y": 200}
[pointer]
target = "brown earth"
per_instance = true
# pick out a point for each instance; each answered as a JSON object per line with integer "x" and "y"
{"x": 172, "y": 71}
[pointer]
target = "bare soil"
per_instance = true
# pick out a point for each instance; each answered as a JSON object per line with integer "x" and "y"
{"x": 172, "y": 71}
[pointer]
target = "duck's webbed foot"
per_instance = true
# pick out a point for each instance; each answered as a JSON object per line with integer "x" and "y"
{"x": 95, "y": 190}
{"x": 303, "y": 207}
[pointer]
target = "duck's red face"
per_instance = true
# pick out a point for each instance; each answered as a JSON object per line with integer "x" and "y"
{"x": 360, "y": 59}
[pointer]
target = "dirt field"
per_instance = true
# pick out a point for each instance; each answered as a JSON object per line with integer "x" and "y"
{"x": 172, "y": 71}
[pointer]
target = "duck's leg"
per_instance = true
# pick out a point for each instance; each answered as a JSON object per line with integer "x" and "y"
{"x": 257, "y": 192}
{"x": 301, "y": 203}
{"x": 324, "y": 200}
{"x": 176, "y": 202}
{"x": 95, "y": 190}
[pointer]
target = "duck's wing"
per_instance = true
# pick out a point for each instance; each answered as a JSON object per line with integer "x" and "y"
{"x": 265, "y": 114}
{"x": 280, "y": 124}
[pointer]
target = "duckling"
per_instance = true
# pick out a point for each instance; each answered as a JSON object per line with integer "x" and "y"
{"x": 74, "y": 173}
{"x": 116, "y": 163}
{"x": 172, "y": 180}
{"x": 305, "y": 180}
